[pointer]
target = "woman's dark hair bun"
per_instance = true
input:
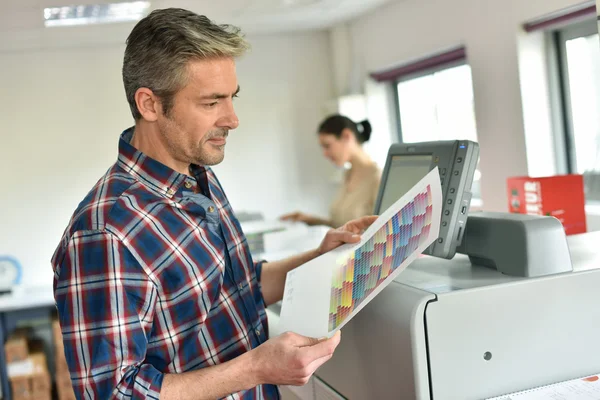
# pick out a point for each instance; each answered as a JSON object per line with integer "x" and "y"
{"x": 364, "y": 131}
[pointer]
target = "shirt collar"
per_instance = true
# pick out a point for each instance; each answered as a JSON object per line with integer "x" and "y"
{"x": 147, "y": 170}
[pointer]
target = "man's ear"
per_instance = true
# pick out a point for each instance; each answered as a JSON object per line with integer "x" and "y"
{"x": 147, "y": 104}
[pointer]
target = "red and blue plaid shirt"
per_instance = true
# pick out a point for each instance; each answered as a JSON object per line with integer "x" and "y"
{"x": 153, "y": 276}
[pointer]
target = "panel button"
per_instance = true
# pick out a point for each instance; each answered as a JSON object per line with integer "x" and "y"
{"x": 443, "y": 171}
{"x": 455, "y": 173}
{"x": 441, "y": 240}
{"x": 449, "y": 201}
{"x": 452, "y": 190}
{"x": 444, "y": 223}
{"x": 459, "y": 160}
{"x": 447, "y": 212}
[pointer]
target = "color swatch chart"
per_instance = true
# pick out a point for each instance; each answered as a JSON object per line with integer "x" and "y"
{"x": 359, "y": 274}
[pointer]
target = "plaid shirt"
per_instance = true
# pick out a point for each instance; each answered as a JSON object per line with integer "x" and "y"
{"x": 153, "y": 276}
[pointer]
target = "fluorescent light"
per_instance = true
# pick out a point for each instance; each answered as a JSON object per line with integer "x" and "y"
{"x": 95, "y": 13}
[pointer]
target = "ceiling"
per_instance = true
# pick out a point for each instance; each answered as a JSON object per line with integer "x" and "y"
{"x": 253, "y": 16}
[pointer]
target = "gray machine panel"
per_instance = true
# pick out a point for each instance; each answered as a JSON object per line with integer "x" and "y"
{"x": 456, "y": 160}
{"x": 516, "y": 244}
{"x": 383, "y": 350}
{"x": 537, "y": 331}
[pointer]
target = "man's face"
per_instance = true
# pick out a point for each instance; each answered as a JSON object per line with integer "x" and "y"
{"x": 196, "y": 128}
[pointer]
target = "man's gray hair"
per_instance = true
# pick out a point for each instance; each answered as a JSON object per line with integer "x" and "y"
{"x": 161, "y": 44}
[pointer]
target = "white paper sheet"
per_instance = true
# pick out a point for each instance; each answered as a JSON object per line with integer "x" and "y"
{"x": 576, "y": 389}
{"x": 20, "y": 368}
{"x": 264, "y": 226}
{"x": 298, "y": 237}
{"x": 321, "y": 296}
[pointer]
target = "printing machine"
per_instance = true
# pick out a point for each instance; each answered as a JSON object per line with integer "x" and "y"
{"x": 517, "y": 308}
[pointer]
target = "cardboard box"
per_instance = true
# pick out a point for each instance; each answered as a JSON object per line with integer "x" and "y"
{"x": 19, "y": 376}
{"x": 21, "y": 387}
{"x": 16, "y": 349}
{"x": 41, "y": 395}
{"x": 561, "y": 197}
{"x": 30, "y": 378}
{"x": 39, "y": 360}
{"x": 40, "y": 378}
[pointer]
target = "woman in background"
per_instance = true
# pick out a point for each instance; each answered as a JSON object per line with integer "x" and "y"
{"x": 341, "y": 140}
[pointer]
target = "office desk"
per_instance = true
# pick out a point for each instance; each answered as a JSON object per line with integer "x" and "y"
{"x": 25, "y": 304}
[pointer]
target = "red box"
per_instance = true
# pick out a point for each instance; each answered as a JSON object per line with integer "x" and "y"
{"x": 557, "y": 196}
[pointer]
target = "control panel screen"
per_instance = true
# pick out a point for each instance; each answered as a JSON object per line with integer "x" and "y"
{"x": 404, "y": 172}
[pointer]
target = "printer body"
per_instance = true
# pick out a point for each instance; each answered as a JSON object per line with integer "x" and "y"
{"x": 450, "y": 330}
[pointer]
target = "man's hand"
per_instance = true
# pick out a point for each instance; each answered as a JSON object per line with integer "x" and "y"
{"x": 291, "y": 359}
{"x": 274, "y": 273}
{"x": 348, "y": 233}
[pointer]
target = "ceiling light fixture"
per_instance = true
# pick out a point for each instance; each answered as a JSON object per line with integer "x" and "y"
{"x": 95, "y": 13}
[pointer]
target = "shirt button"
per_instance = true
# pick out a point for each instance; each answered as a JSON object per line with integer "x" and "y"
{"x": 257, "y": 332}
{"x": 188, "y": 185}
{"x": 211, "y": 209}
{"x": 170, "y": 192}
{"x": 241, "y": 286}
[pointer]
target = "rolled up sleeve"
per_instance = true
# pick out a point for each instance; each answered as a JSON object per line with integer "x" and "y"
{"x": 258, "y": 269}
{"x": 106, "y": 305}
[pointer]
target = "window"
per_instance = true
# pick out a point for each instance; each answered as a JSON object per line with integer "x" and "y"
{"x": 578, "y": 49}
{"x": 438, "y": 105}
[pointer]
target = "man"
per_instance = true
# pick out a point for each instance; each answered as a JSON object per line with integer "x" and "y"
{"x": 156, "y": 291}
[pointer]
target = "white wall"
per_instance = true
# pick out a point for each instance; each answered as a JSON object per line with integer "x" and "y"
{"x": 63, "y": 107}
{"x": 273, "y": 162}
{"x": 409, "y": 29}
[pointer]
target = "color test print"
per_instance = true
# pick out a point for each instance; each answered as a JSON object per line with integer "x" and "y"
{"x": 359, "y": 274}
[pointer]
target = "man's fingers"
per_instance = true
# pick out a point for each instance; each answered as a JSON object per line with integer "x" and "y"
{"x": 350, "y": 227}
{"x": 359, "y": 225}
{"x": 364, "y": 222}
{"x": 343, "y": 237}
{"x": 322, "y": 348}
{"x": 313, "y": 366}
{"x": 349, "y": 237}
{"x": 301, "y": 341}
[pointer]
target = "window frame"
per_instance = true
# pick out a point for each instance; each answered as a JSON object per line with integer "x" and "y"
{"x": 419, "y": 74}
{"x": 566, "y": 132}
